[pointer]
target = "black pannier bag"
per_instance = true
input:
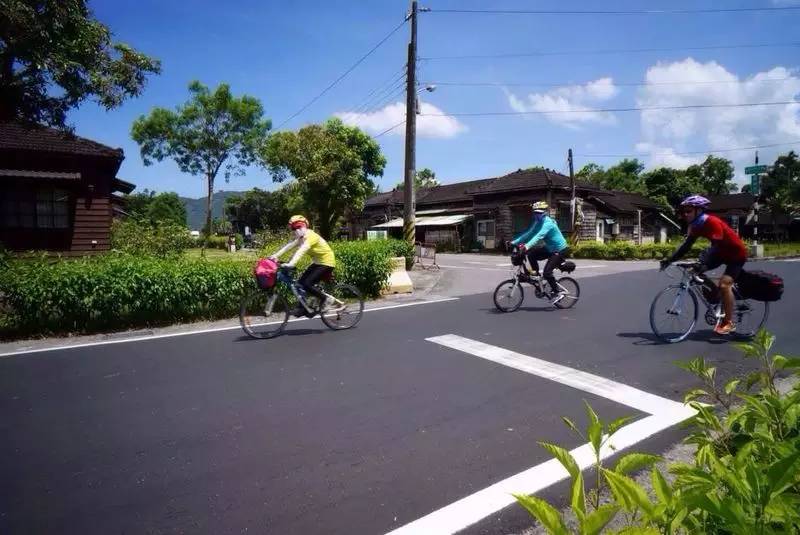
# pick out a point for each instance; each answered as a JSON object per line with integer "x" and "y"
{"x": 760, "y": 285}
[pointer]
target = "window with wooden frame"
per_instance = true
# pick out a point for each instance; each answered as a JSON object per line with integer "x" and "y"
{"x": 43, "y": 208}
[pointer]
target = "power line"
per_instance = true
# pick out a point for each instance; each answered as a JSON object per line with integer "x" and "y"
{"x": 619, "y": 84}
{"x": 618, "y": 12}
{"x": 381, "y": 88}
{"x": 610, "y": 51}
{"x": 388, "y": 100}
{"x": 343, "y": 75}
{"x": 610, "y": 110}
{"x": 691, "y": 153}
{"x": 391, "y": 128}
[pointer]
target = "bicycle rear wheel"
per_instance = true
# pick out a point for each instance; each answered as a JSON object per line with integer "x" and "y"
{"x": 347, "y": 309}
{"x": 508, "y": 296}
{"x": 749, "y": 316}
{"x": 263, "y": 314}
{"x": 673, "y": 313}
{"x": 573, "y": 292}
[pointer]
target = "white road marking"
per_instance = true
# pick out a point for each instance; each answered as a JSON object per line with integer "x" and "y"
{"x": 791, "y": 260}
{"x": 664, "y": 413}
{"x": 593, "y": 384}
{"x": 27, "y": 350}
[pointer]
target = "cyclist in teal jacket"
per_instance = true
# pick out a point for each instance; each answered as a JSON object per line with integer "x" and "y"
{"x": 554, "y": 247}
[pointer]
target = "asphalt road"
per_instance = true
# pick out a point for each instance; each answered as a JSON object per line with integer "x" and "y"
{"x": 317, "y": 431}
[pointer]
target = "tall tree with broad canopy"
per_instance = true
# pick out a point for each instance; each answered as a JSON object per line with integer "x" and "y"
{"x": 259, "y": 209}
{"x": 213, "y": 131}
{"x": 332, "y": 164}
{"x": 54, "y": 55}
{"x": 425, "y": 178}
{"x": 714, "y": 175}
{"x": 781, "y": 186}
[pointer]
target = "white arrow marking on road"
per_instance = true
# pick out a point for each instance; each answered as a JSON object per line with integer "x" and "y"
{"x": 467, "y": 511}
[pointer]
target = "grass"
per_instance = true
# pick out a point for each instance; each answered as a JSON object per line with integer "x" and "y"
{"x": 219, "y": 254}
{"x": 781, "y": 249}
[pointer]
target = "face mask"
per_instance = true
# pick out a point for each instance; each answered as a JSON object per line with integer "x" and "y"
{"x": 300, "y": 232}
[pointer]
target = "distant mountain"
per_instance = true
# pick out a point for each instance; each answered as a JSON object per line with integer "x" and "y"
{"x": 196, "y": 208}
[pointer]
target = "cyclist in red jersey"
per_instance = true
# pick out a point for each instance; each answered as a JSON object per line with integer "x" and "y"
{"x": 726, "y": 248}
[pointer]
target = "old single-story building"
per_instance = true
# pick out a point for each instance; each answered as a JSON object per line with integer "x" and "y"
{"x": 486, "y": 213}
{"x": 57, "y": 190}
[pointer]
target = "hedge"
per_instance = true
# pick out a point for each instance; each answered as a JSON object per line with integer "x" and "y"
{"x": 50, "y": 295}
{"x": 630, "y": 251}
{"x": 137, "y": 238}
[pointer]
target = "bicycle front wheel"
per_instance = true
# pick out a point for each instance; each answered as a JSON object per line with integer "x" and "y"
{"x": 347, "y": 309}
{"x": 673, "y": 313}
{"x": 750, "y": 316}
{"x": 573, "y": 292}
{"x": 263, "y": 314}
{"x": 508, "y": 295}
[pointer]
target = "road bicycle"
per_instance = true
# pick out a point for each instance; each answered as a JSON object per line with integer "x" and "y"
{"x": 509, "y": 294}
{"x": 675, "y": 309}
{"x": 265, "y": 313}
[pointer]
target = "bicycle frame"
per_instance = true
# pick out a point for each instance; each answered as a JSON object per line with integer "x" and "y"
{"x": 299, "y": 292}
{"x": 691, "y": 281}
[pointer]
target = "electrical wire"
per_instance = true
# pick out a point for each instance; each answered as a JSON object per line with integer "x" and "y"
{"x": 608, "y": 51}
{"x": 381, "y": 89}
{"x": 691, "y": 153}
{"x": 618, "y": 84}
{"x": 618, "y": 12}
{"x": 343, "y": 75}
{"x": 390, "y": 128}
{"x": 609, "y": 110}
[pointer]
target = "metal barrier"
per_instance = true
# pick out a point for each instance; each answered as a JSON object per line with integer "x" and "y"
{"x": 423, "y": 252}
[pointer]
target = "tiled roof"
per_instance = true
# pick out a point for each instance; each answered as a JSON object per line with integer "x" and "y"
{"x": 449, "y": 192}
{"x": 526, "y": 179}
{"x": 16, "y": 136}
{"x": 735, "y": 201}
{"x": 622, "y": 201}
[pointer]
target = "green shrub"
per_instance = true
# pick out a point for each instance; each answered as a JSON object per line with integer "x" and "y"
{"x": 162, "y": 240}
{"x": 364, "y": 264}
{"x": 120, "y": 290}
{"x": 620, "y": 250}
{"x": 745, "y": 477}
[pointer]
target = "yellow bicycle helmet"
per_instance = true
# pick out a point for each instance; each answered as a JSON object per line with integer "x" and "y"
{"x": 296, "y": 220}
{"x": 540, "y": 206}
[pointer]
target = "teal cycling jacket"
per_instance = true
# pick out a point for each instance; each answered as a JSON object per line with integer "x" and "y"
{"x": 545, "y": 229}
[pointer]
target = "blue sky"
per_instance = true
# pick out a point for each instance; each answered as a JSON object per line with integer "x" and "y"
{"x": 286, "y": 52}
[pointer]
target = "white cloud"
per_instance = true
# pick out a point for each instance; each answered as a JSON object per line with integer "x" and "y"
{"x": 666, "y": 132}
{"x": 432, "y": 122}
{"x": 568, "y": 99}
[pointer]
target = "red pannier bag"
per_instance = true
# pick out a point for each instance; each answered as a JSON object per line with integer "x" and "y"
{"x": 265, "y": 271}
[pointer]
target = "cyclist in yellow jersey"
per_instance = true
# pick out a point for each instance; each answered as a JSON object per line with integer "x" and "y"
{"x": 323, "y": 261}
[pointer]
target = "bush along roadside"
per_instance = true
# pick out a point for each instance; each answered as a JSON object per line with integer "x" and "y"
{"x": 745, "y": 477}
{"x": 119, "y": 290}
{"x": 629, "y": 251}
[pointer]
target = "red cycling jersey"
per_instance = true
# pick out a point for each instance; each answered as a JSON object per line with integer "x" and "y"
{"x": 724, "y": 240}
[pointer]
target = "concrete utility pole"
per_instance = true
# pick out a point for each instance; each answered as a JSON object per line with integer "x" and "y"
{"x": 409, "y": 193}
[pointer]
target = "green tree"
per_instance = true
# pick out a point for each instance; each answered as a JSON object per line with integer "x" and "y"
{"x": 54, "y": 55}
{"x": 714, "y": 175}
{"x": 166, "y": 208}
{"x": 625, "y": 176}
{"x": 332, "y": 164}
{"x": 259, "y": 209}
{"x": 781, "y": 186}
{"x": 592, "y": 173}
{"x": 746, "y": 188}
{"x": 137, "y": 204}
{"x": 212, "y": 131}
{"x": 669, "y": 186}
{"x": 423, "y": 179}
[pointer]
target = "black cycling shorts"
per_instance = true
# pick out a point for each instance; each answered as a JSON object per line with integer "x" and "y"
{"x": 711, "y": 260}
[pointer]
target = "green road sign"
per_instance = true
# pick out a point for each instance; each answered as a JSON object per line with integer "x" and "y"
{"x": 755, "y": 169}
{"x": 755, "y": 184}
